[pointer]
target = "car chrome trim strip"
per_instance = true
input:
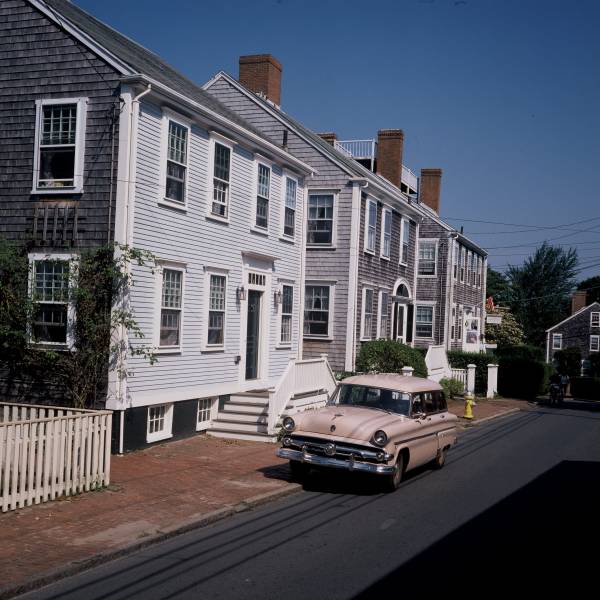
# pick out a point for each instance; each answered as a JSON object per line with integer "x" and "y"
{"x": 322, "y": 461}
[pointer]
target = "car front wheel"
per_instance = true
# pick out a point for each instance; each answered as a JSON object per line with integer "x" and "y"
{"x": 440, "y": 459}
{"x": 393, "y": 480}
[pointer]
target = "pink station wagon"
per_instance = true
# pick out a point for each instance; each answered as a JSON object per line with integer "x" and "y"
{"x": 384, "y": 424}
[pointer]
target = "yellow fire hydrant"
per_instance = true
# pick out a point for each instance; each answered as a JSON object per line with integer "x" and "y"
{"x": 468, "y": 407}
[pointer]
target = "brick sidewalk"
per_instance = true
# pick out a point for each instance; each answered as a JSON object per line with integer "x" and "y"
{"x": 484, "y": 409}
{"x": 153, "y": 491}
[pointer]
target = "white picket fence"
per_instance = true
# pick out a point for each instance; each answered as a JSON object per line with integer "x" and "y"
{"x": 47, "y": 452}
{"x": 460, "y": 375}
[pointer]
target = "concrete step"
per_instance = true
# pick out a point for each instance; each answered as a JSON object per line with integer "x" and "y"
{"x": 248, "y": 409}
{"x": 241, "y": 417}
{"x": 233, "y": 425}
{"x": 239, "y": 435}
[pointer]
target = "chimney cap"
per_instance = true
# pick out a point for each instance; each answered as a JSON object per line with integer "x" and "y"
{"x": 431, "y": 172}
{"x": 391, "y": 133}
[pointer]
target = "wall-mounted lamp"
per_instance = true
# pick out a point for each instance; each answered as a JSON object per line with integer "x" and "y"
{"x": 277, "y": 297}
{"x": 241, "y": 294}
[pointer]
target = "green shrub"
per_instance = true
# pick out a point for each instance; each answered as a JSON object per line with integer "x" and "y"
{"x": 452, "y": 387}
{"x": 460, "y": 360}
{"x": 389, "y": 356}
{"x": 594, "y": 361}
{"x": 568, "y": 361}
{"x": 587, "y": 388}
{"x": 522, "y": 351}
{"x": 522, "y": 377}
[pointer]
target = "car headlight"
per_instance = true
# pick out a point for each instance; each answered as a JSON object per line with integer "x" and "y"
{"x": 289, "y": 424}
{"x": 380, "y": 438}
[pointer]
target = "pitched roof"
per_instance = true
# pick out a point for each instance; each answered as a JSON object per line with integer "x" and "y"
{"x": 139, "y": 59}
{"x": 581, "y": 310}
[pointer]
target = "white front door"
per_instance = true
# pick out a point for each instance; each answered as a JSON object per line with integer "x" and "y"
{"x": 399, "y": 333}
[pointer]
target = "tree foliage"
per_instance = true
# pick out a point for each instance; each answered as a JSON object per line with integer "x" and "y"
{"x": 592, "y": 286}
{"x": 99, "y": 286}
{"x": 389, "y": 356}
{"x": 539, "y": 290}
{"x": 496, "y": 286}
{"x": 508, "y": 333}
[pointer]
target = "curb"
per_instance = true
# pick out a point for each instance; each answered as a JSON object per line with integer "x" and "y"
{"x": 475, "y": 422}
{"x": 192, "y": 523}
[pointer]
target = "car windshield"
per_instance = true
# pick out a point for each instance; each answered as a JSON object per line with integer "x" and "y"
{"x": 372, "y": 397}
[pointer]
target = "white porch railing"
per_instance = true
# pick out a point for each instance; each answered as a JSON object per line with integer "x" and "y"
{"x": 409, "y": 178}
{"x": 359, "y": 149}
{"x": 313, "y": 375}
{"x": 47, "y": 452}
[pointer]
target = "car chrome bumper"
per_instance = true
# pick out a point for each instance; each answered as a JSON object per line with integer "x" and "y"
{"x": 336, "y": 463}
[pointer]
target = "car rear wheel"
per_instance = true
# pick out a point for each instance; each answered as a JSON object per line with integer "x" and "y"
{"x": 299, "y": 470}
{"x": 393, "y": 480}
{"x": 440, "y": 459}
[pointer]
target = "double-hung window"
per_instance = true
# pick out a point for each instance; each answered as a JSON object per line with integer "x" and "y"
{"x": 262, "y": 196}
{"x": 453, "y": 325}
{"x": 479, "y": 270}
{"x": 289, "y": 214}
{"x": 557, "y": 341}
{"x": 594, "y": 343}
{"x": 462, "y": 264}
{"x": 316, "y": 310}
{"x": 287, "y": 305}
{"x": 177, "y": 161}
{"x": 170, "y": 308}
{"x": 386, "y": 233}
{"x": 384, "y": 314}
{"x": 221, "y": 180}
{"x": 404, "y": 241}
{"x": 371, "y": 225}
{"x": 595, "y": 319}
{"x": 368, "y": 314}
{"x": 50, "y": 295}
{"x": 455, "y": 260}
{"x": 320, "y": 220}
{"x": 424, "y": 321}
{"x": 427, "y": 257}
{"x": 216, "y": 310}
{"x": 60, "y": 138}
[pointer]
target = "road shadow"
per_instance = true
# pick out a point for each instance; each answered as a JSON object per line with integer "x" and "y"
{"x": 337, "y": 481}
{"x": 570, "y": 404}
{"x": 544, "y": 535}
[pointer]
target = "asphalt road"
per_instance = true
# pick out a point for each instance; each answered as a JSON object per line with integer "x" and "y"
{"x": 517, "y": 505}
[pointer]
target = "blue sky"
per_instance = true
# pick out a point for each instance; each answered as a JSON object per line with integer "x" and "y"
{"x": 503, "y": 95}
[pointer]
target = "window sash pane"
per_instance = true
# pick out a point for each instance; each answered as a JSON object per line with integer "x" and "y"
{"x": 320, "y": 219}
{"x": 262, "y": 212}
{"x": 177, "y": 147}
{"x": 424, "y": 321}
{"x": 59, "y": 125}
{"x": 170, "y": 325}
{"x": 289, "y": 226}
{"x": 290, "y": 193}
{"x": 316, "y": 310}
{"x": 222, "y": 162}
{"x": 171, "y": 289}
{"x": 264, "y": 179}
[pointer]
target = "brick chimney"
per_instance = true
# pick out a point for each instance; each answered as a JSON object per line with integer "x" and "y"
{"x": 261, "y": 73}
{"x": 578, "y": 301}
{"x": 329, "y": 137}
{"x": 430, "y": 187}
{"x": 390, "y": 145}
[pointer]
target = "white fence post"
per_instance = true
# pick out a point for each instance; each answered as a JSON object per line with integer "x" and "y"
{"x": 407, "y": 371}
{"x": 492, "y": 381}
{"x": 470, "y": 379}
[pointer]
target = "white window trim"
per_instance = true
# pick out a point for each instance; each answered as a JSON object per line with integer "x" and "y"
{"x": 323, "y": 192}
{"x": 258, "y": 161}
{"x": 558, "y": 337}
{"x": 285, "y": 175}
{"x": 331, "y": 285}
{"x": 433, "y": 241}
{"x": 158, "y": 283}
{"x": 215, "y": 138}
{"x": 208, "y": 271}
{"x": 167, "y": 432}
{"x": 73, "y": 260}
{"x": 214, "y": 406}
{"x": 79, "y": 164}
{"x": 597, "y": 314}
{"x": 386, "y": 211}
{"x": 428, "y": 304}
{"x": 368, "y": 204}
{"x": 379, "y": 313}
{"x": 595, "y": 338}
{"x": 167, "y": 116}
{"x": 404, "y": 220}
{"x": 280, "y": 343}
{"x": 363, "y": 337}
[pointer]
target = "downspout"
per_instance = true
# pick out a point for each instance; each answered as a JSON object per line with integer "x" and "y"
{"x": 126, "y": 236}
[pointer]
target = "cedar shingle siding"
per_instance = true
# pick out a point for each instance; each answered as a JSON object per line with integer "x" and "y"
{"x": 576, "y": 332}
{"x": 40, "y": 61}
